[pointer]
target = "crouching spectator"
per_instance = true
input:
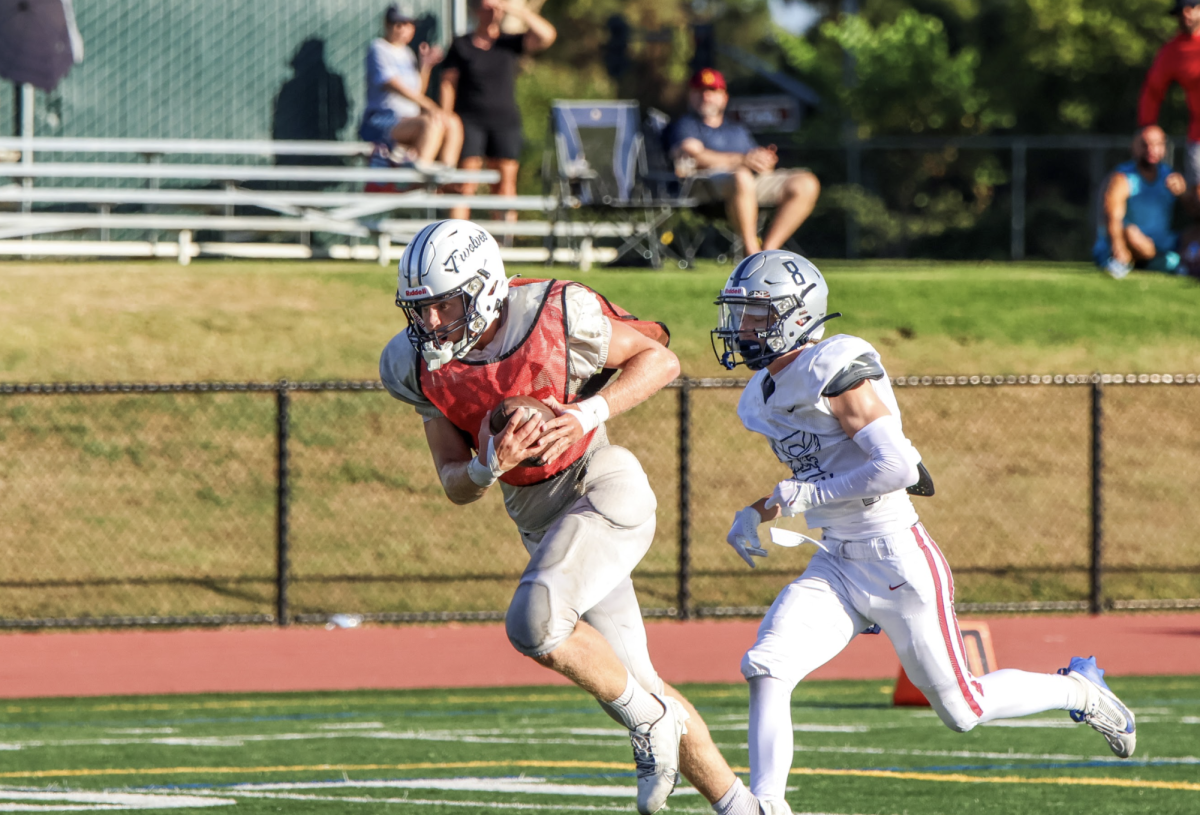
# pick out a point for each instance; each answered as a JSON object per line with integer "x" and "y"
{"x": 740, "y": 173}
{"x": 398, "y": 114}
{"x": 1139, "y": 202}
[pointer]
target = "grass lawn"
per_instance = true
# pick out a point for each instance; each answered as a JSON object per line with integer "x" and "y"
{"x": 165, "y": 504}
{"x": 218, "y": 320}
{"x": 552, "y": 750}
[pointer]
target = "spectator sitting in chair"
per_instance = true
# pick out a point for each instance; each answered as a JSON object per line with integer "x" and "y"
{"x": 1135, "y": 227}
{"x": 742, "y": 174}
{"x": 398, "y": 113}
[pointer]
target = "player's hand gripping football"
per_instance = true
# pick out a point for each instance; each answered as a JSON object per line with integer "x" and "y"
{"x": 562, "y": 431}
{"x": 743, "y": 535}
{"x": 518, "y": 440}
{"x": 792, "y": 497}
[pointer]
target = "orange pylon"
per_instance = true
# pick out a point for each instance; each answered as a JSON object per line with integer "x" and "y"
{"x": 981, "y": 659}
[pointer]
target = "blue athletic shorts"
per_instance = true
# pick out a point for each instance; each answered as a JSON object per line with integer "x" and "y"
{"x": 377, "y": 126}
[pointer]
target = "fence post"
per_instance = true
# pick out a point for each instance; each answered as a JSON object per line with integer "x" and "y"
{"x": 850, "y": 137}
{"x": 854, "y": 180}
{"x": 684, "y": 603}
{"x": 1096, "y": 599}
{"x": 1018, "y": 200}
{"x": 283, "y": 406}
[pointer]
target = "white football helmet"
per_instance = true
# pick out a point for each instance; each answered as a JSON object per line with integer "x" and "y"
{"x": 445, "y": 260}
{"x": 773, "y": 302}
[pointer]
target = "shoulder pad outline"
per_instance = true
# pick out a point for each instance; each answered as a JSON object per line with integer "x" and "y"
{"x": 861, "y": 369}
{"x": 924, "y": 485}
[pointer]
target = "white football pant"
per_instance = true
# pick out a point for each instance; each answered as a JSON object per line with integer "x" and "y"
{"x": 902, "y": 583}
{"x": 580, "y": 567}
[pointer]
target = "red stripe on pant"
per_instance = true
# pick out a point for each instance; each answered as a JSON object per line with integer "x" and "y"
{"x": 962, "y": 647}
{"x": 944, "y": 623}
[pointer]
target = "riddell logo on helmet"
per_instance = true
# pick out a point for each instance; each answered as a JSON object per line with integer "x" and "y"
{"x": 424, "y": 291}
{"x": 734, "y": 290}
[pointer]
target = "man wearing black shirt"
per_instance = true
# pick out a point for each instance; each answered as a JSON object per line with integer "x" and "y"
{"x": 479, "y": 84}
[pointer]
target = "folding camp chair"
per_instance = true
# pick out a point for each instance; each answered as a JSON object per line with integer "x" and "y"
{"x": 659, "y": 176}
{"x": 594, "y": 172}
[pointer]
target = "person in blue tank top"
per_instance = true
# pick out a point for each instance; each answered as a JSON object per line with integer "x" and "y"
{"x": 1139, "y": 202}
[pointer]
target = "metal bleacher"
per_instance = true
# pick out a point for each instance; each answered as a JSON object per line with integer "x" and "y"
{"x": 83, "y": 202}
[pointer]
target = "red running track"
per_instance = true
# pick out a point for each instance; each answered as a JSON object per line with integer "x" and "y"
{"x": 445, "y": 656}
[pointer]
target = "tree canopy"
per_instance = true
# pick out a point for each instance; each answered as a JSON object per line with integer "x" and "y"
{"x": 897, "y": 67}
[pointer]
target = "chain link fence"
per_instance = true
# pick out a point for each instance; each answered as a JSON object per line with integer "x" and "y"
{"x": 213, "y": 503}
{"x": 221, "y": 69}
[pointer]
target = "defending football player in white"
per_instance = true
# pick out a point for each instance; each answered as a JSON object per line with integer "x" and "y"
{"x": 827, "y": 409}
{"x": 583, "y": 507}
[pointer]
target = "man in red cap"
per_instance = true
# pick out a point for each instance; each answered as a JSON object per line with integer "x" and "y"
{"x": 1178, "y": 61}
{"x": 743, "y": 175}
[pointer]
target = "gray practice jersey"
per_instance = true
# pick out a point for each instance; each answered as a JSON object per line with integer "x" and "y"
{"x": 790, "y": 411}
{"x": 535, "y": 507}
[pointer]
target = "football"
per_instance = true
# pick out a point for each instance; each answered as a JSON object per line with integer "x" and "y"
{"x": 502, "y": 412}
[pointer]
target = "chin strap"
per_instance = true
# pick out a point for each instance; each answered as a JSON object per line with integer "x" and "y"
{"x": 814, "y": 327}
{"x": 728, "y": 359}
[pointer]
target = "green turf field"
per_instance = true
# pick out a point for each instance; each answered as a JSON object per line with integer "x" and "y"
{"x": 552, "y": 750}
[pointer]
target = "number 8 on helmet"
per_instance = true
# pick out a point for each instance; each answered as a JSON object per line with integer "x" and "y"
{"x": 774, "y": 302}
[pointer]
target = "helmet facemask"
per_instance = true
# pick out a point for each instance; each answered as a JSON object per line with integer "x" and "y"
{"x": 435, "y": 345}
{"x": 757, "y": 329}
{"x": 773, "y": 303}
{"x": 751, "y": 330}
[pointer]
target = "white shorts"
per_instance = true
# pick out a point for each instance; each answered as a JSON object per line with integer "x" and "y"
{"x": 580, "y": 567}
{"x": 901, "y": 583}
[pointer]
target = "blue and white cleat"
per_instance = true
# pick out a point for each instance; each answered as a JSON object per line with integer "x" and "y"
{"x": 1103, "y": 712}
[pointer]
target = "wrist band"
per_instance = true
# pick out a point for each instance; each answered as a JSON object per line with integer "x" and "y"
{"x": 591, "y": 412}
{"x": 485, "y": 475}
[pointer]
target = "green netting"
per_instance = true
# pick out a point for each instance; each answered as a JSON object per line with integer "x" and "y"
{"x": 208, "y": 70}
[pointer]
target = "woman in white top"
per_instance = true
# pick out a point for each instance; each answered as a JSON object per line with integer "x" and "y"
{"x": 398, "y": 113}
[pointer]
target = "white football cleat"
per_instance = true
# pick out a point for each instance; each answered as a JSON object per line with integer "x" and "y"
{"x": 773, "y": 806}
{"x": 656, "y": 755}
{"x": 1103, "y": 712}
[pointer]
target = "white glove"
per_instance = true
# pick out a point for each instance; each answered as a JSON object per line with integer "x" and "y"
{"x": 743, "y": 535}
{"x": 793, "y": 497}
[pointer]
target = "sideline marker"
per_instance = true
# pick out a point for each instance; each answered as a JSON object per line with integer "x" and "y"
{"x": 981, "y": 659}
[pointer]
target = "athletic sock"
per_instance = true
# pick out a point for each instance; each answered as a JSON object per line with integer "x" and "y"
{"x": 771, "y": 739}
{"x": 737, "y": 801}
{"x": 1078, "y": 700}
{"x": 635, "y": 707}
{"x": 1010, "y": 694}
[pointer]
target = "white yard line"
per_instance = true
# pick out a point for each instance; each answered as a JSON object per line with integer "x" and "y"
{"x": 899, "y": 751}
{"x": 808, "y": 728}
{"x": 484, "y": 785}
{"x": 535, "y": 785}
{"x": 465, "y": 737}
{"x": 38, "y": 800}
